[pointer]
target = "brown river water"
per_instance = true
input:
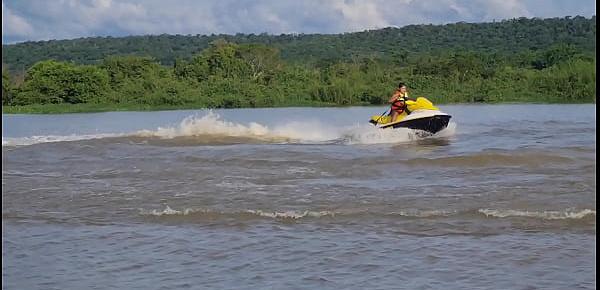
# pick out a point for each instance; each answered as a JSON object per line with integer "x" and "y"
{"x": 300, "y": 198}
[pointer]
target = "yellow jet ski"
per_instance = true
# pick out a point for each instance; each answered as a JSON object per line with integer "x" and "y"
{"x": 423, "y": 115}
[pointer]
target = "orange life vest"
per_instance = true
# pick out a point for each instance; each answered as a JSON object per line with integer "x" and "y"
{"x": 400, "y": 104}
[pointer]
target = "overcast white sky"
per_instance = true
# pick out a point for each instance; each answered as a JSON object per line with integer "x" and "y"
{"x": 24, "y": 20}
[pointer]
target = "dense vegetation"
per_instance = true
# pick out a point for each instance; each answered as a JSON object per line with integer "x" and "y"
{"x": 531, "y": 60}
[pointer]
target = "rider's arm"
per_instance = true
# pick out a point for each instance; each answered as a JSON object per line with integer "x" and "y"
{"x": 394, "y": 97}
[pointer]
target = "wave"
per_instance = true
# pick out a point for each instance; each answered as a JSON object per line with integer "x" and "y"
{"x": 212, "y": 129}
{"x": 367, "y": 134}
{"x": 25, "y": 141}
{"x": 211, "y": 125}
{"x": 547, "y": 215}
{"x": 248, "y": 213}
{"x": 573, "y": 214}
{"x": 519, "y": 158}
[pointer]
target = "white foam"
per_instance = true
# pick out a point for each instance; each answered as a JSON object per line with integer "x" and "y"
{"x": 296, "y": 131}
{"x": 292, "y": 214}
{"x": 551, "y": 215}
{"x": 369, "y": 134}
{"x": 425, "y": 213}
{"x": 167, "y": 212}
{"x": 24, "y": 141}
{"x": 211, "y": 124}
{"x": 448, "y": 131}
{"x": 299, "y": 214}
{"x": 309, "y": 131}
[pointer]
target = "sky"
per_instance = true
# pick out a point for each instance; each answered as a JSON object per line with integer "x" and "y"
{"x": 33, "y": 20}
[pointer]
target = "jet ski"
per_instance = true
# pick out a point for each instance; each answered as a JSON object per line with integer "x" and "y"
{"x": 423, "y": 116}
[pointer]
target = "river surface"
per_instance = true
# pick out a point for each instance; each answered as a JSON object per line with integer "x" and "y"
{"x": 300, "y": 198}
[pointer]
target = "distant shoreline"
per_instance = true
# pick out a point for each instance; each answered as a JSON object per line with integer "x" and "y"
{"x": 102, "y": 108}
{"x": 522, "y": 60}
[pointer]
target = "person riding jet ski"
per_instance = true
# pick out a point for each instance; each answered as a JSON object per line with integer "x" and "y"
{"x": 419, "y": 114}
{"x": 398, "y": 101}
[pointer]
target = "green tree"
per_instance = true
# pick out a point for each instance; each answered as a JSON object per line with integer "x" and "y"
{"x": 59, "y": 82}
{"x": 556, "y": 54}
{"x": 263, "y": 61}
{"x": 6, "y": 88}
{"x": 219, "y": 60}
{"x": 121, "y": 68}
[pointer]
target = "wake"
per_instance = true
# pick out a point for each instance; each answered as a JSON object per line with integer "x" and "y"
{"x": 212, "y": 126}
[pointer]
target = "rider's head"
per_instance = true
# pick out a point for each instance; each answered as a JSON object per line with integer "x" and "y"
{"x": 402, "y": 86}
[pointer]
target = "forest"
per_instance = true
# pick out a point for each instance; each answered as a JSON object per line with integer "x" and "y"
{"x": 517, "y": 60}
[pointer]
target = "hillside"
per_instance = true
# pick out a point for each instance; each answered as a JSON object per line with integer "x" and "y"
{"x": 504, "y": 37}
{"x": 520, "y": 60}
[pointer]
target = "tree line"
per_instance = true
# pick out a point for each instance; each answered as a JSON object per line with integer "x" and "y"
{"x": 228, "y": 74}
{"x": 504, "y": 37}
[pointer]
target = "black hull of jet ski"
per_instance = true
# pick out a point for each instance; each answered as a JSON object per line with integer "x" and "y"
{"x": 423, "y": 116}
{"x": 431, "y": 124}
